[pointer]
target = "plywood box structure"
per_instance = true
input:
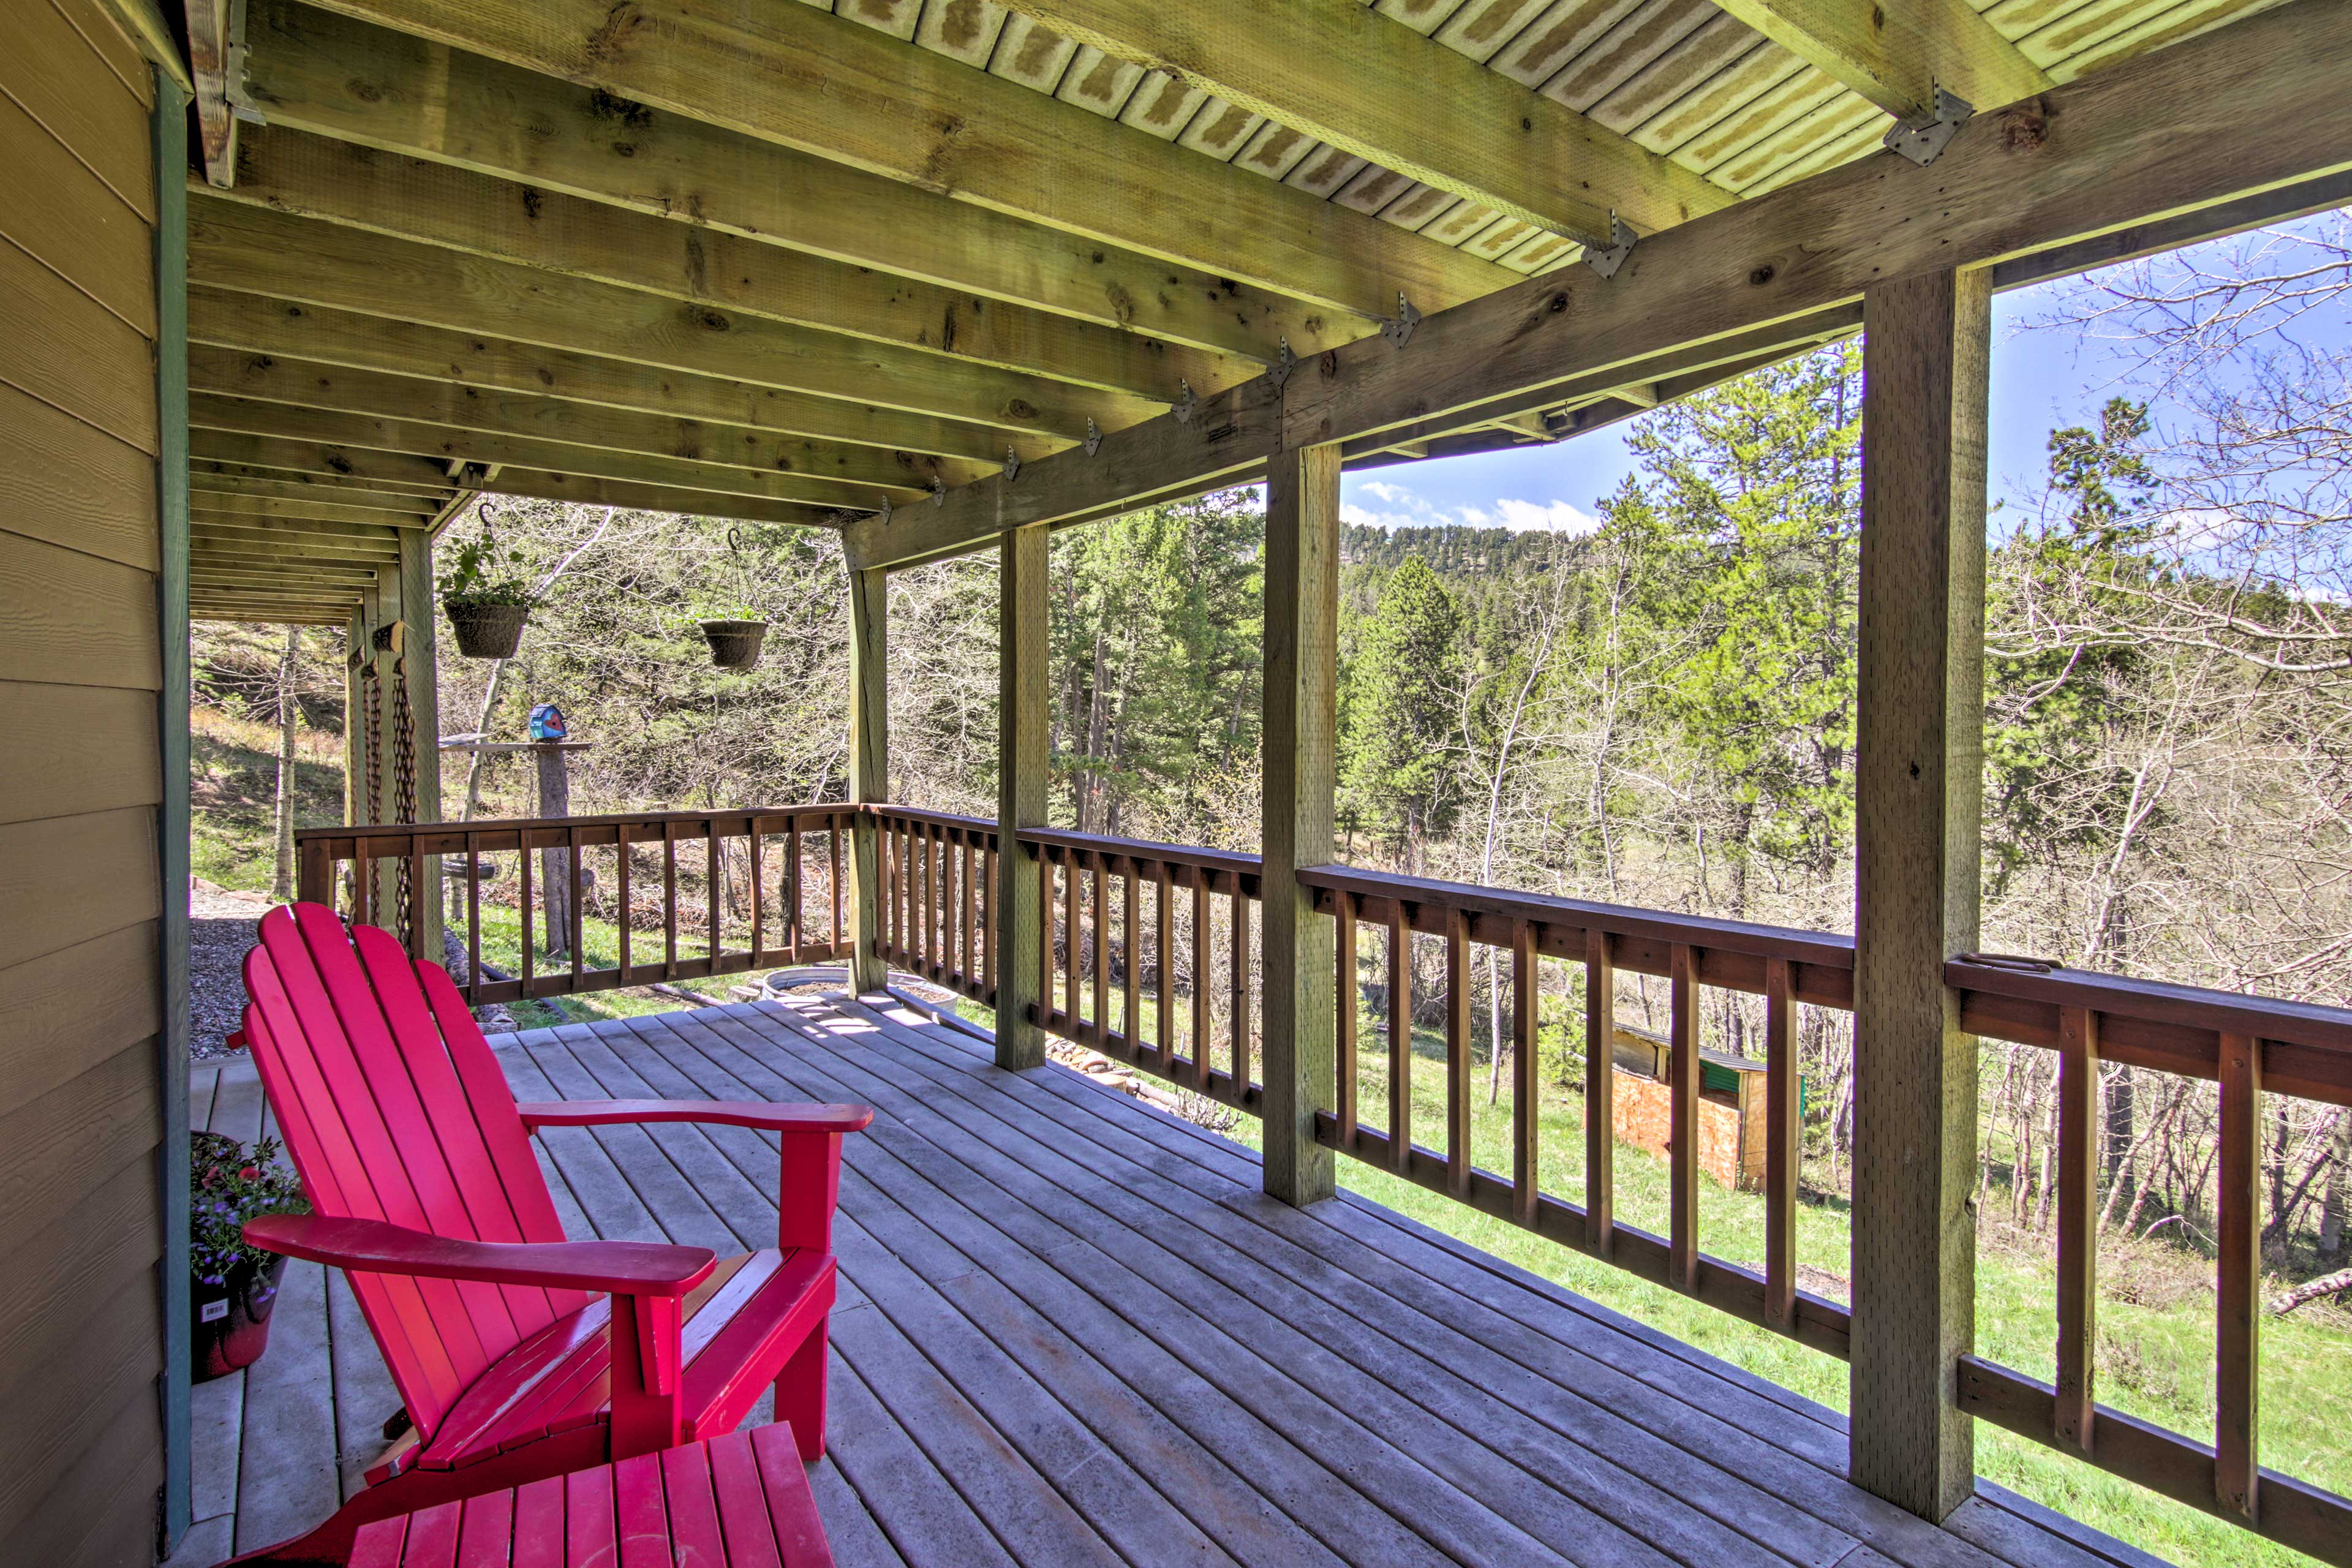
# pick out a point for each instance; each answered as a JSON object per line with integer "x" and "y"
{"x": 289, "y": 283}
{"x": 1732, "y": 1135}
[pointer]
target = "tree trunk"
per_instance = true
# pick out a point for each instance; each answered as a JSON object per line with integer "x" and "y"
{"x": 2335, "y": 1209}
{"x": 281, "y": 880}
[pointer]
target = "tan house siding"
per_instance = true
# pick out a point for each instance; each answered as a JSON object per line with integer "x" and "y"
{"x": 80, "y": 1121}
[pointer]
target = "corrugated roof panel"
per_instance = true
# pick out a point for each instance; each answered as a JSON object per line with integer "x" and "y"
{"x": 1842, "y": 116}
{"x": 1461, "y": 224}
{"x": 1098, "y": 81}
{"x": 1768, "y": 114}
{"x": 1544, "y": 48}
{"x": 1717, "y": 101}
{"x": 1420, "y": 16}
{"x": 1324, "y": 170}
{"x": 1162, "y": 106}
{"x": 1715, "y": 45}
{"x": 1418, "y": 207}
{"x": 1657, "y": 27}
{"x": 1483, "y": 26}
{"x": 964, "y": 30}
{"x": 896, "y": 18}
{"x": 1372, "y": 188}
{"x": 1274, "y": 150}
{"x": 1031, "y": 53}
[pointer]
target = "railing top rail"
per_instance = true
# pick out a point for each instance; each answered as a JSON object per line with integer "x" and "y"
{"x": 1227, "y": 860}
{"x": 2159, "y": 1002}
{"x": 727, "y": 815}
{"x": 1824, "y": 949}
{"x": 942, "y": 819}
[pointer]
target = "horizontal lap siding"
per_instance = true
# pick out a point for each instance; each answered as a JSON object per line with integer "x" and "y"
{"x": 80, "y": 1117}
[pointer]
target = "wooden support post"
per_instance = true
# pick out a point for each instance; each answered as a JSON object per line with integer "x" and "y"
{"x": 1301, "y": 1012}
{"x": 1024, "y": 960}
{"x": 1919, "y": 810}
{"x": 869, "y": 766}
{"x": 419, "y": 660}
{"x": 555, "y": 863}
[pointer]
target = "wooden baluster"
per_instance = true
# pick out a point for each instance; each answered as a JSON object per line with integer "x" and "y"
{"x": 627, "y": 908}
{"x": 670, "y": 900}
{"x": 934, "y": 890}
{"x": 833, "y": 832}
{"x": 885, "y": 840}
{"x": 2078, "y": 1227}
{"x": 1102, "y": 950}
{"x": 1682, "y": 1146}
{"x": 1526, "y": 1117}
{"x": 573, "y": 871}
{"x": 711, "y": 875}
{"x": 1131, "y": 969}
{"x": 1164, "y": 964}
{"x": 1457, "y": 1052}
{"x": 758, "y": 899}
{"x": 2237, "y": 1383}
{"x": 1782, "y": 1149}
{"x": 1399, "y": 1035}
{"x": 1241, "y": 990}
{"x": 927, "y": 932}
{"x": 796, "y": 922}
{"x": 418, "y": 893}
{"x": 988, "y": 923}
{"x": 473, "y": 913}
{"x": 967, "y": 945}
{"x": 1600, "y": 1093}
{"x": 1201, "y": 954}
{"x": 364, "y": 882}
{"x": 1073, "y": 898}
{"x": 522, "y": 861}
{"x": 1343, "y": 912}
{"x": 1045, "y": 938}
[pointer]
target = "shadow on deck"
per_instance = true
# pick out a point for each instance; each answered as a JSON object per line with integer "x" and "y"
{"x": 1072, "y": 1331}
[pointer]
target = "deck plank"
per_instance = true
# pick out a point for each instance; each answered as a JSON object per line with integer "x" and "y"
{"x": 1071, "y": 1330}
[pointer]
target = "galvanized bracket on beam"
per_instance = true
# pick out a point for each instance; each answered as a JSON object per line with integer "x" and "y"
{"x": 1922, "y": 137}
{"x": 883, "y": 516}
{"x": 939, "y": 490}
{"x": 1094, "y": 438}
{"x": 1279, "y": 371}
{"x": 1398, "y": 329}
{"x": 1606, "y": 259}
{"x": 1186, "y": 406}
{"x": 1011, "y": 465}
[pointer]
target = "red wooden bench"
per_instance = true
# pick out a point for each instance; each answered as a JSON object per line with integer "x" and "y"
{"x": 737, "y": 1501}
{"x": 518, "y": 1354}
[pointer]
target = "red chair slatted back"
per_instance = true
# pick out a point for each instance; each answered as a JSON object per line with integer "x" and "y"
{"x": 394, "y": 1108}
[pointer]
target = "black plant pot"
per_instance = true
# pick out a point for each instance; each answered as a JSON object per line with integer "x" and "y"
{"x": 228, "y": 1324}
{"x": 487, "y": 631}
{"x": 735, "y": 645}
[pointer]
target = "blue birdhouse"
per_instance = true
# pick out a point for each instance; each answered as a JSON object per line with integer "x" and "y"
{"x": 547, "y": 722}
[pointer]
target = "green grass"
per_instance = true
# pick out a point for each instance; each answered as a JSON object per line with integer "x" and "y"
{"x": 2155, "y": 1353}
{"x": 233, "y": 790}
{"x": 600, "y": 948}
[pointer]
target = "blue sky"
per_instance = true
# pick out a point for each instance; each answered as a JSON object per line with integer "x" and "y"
{"x": 2039, "y": 383}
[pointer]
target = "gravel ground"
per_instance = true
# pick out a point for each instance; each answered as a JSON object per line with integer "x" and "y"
{"x": 220, "y": 932}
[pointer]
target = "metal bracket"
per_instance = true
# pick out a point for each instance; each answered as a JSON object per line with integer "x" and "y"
{"x": 1279, "y": 371}
{"x": 1011, "y": 465}
{"x": 1922, "y": 136}
{"x": 1094, "y": 438}
{"x": 1186, "y": 406}
{"x": 939, "y": 490}
{"x": 1607, "y": 258}
{"x": 1398, "y": 329}
{"x": 883, "y": 516}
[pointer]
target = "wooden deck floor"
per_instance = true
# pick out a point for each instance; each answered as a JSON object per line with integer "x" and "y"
{"x": 1071, "y": 1330}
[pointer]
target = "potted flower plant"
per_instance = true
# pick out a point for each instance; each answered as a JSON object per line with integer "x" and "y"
{"x": 487, "y": 598}
{"x": 233, "y": 1284}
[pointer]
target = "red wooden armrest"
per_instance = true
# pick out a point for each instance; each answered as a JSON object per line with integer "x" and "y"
{"x": 373, "y": 1247}
{"x": 757, "y": 1113}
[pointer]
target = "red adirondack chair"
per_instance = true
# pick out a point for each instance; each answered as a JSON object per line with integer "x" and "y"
{"x": 518, "y": 1354}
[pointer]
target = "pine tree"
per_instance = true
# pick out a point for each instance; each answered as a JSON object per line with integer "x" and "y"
{"x": 1402, "y": 711}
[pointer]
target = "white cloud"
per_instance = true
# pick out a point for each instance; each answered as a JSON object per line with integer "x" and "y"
{"x": 1406, "y": 507}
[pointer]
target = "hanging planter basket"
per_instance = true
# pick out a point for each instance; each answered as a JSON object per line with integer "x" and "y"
{"x": 486, "y": 631}
{"x": 735, "y": 645}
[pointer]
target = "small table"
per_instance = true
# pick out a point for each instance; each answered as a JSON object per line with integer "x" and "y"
{"x": 737, "y": 1501}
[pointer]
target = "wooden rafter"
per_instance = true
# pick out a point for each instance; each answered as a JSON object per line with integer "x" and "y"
{"x": 2100, "y": 153}
{"x": 1348, "y": 76}
{"x": 259, "y": 323}
{"x": 210, "y": 26}
{"x": 294, "y": 455}
{"x": 232, "y": 246}
{"x": 308, "y": 384}
{"x": 342, "y": 79}
{"x": 802, "y": 79}
{"x": 444, "y": 443}
{"x": 438, "y": 204}
{"x": 1896, "y": 55}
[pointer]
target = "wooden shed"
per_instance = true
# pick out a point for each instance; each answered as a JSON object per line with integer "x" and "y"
{"x": 288, "y": 282}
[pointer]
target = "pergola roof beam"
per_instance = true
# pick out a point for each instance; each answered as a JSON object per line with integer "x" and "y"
{"x": 438, "y": 204}
{"x": 1345, "y": 75}
{"x": 343, "y": 78}
{"x": 1895, "y": 53}
{"x": 803, "y": 79}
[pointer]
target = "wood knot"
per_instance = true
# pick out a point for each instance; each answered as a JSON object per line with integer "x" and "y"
{"x": 2022, "y": 129}
{"x": 1762, "y": 275}
{"x": 1329, "y": 362}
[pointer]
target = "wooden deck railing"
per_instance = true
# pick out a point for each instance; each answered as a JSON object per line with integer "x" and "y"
{"x": 938, "y": 897}
{"x": 653, "y": 934}
{"x": 1184, "y": 954}
{"x": 1112, "y": 913}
